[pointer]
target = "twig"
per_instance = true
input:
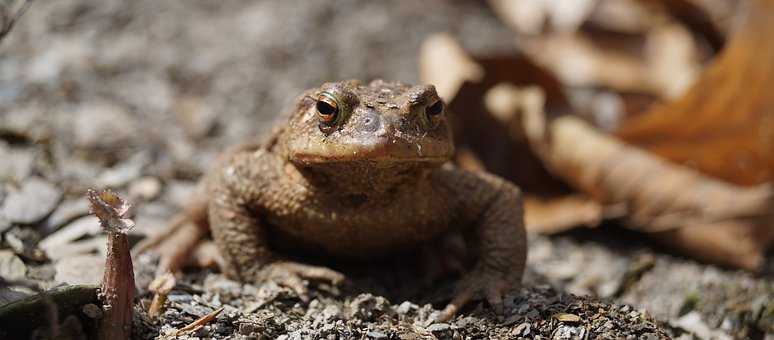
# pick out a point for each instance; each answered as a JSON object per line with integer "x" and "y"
{"x": 198, "y": 323}
{"x": 161, "y": 286}
{"x": 117, "y": 291}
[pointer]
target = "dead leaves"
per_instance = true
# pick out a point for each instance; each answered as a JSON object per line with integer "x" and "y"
{"x": 724, "y": 125}
{"x": 514, "y": 118}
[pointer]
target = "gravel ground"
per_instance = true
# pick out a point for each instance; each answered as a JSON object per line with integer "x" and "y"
{"x": 140, "y": 96}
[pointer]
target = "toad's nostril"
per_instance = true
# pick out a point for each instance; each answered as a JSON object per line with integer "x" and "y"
{"x": 371, "y": 122}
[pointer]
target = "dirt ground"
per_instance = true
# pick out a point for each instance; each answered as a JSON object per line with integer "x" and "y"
{"x": 142, "y": 95}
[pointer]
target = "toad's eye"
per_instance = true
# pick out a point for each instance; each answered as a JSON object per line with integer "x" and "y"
{"x": 434, "y": 109}
{"x": 327, "y": 108}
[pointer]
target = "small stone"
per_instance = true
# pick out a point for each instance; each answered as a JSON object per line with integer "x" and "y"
{"x": 45, "y": 272}
{"x": 12, "y": 268}
{"x": 124, "y": 172}
{"x": 5, "y": 224}
{"x": 16, "y": 164}
{"x": 405, "y": 307}
{"x": 35, "y": 200}
{"x": 568, "y": 333}
{"x": 146, "y": 188}
{"x": 522, "y": 329}
{"x": 180, "y": 298}
{"x": 84, "y": 226}
{"x": 369, "y": 307}
{"x": 82, "y": 269}
{"x": 438, "y": 327}
{"x": 377, "y": 335}
{"x": 66, "y": 212}
{"x": 23, "y": 241}
{"x": 197, "y": 118}
{"x": 92, "y": 311}
{"x": 102, "y": 126}
{"x": 247, "y": 328}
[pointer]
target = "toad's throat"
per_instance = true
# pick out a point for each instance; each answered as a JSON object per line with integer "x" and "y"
{"x": 362, "y": 177}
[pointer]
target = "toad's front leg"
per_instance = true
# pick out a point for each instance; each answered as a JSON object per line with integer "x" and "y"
{"x": 238, "y": 192}
{"x": 499, "y": 239}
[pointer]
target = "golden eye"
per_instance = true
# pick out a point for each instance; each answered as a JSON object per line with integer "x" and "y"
{"x": 327, "y": 108}
{"x": 434, "y": 110}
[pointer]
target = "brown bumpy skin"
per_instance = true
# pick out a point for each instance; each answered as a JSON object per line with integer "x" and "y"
{"x": 364, "y": 182}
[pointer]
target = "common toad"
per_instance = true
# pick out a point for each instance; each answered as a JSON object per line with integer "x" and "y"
{"x": 357, "y": 172}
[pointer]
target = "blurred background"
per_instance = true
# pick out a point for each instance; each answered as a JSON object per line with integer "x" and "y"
{"x": 662, "y": 199}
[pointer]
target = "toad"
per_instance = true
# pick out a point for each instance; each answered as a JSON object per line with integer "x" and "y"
{"x": 358, "y": 171}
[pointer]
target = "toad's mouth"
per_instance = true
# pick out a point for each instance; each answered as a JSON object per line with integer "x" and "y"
{"x": 377, "y": 149}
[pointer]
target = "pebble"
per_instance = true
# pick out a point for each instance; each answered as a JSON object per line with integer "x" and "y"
{"x": 23, "y": 241}
{"x": 369, "y": 307}
{"x": 5, "y": 224}
{"x": 35, "y": 200}
{"x": 522, "y": 329}
{"x": 66, "y": 212}
{"x": 45, "y": 272}
{"x": 91, "y": 310}
{"x": 568, "y": 333}
{"x": 406, "y": 307}
{"x": 377, "y": 335}
{"x": 12, "y": 268}
{"x": 17, "y": 163}
{"x": 145, "y": 188}
{"x": 438, "y": 327}
{"x": 84, "y": 226}
{"x": 124, "y": 172}
{"x": 80, "y": 269}
{"x": 180, "y": 298}
{"x": 102, "y": 125}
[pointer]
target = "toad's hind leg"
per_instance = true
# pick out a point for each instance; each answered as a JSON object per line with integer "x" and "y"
{"x": 180, "y": 239}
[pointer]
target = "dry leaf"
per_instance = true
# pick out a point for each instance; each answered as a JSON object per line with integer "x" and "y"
{"x": 707, "y": 218}
{"x": 724, "y": 125}
{"x": 530, "y": 16}
{"x": 443, "y": 63}
{"x": 567, "y": 317}
{"x": 501, "y": 148}
{"x": 576, "y": 61}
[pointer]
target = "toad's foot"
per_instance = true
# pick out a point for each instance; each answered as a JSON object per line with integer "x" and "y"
{"x": 492, "y": 286}
{"x": 295, "y": 276}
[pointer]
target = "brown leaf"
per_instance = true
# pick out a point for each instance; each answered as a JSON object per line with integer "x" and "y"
{"x": 707, "y": 218}
{"x": 724, "y": 125}
{"x": 500, "y": 146}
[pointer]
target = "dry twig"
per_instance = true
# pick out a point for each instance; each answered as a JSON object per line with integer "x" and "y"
{"x": 198, "y": 323}
{"x": 161, "y": 286}
{"x": 117, "y": 290}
